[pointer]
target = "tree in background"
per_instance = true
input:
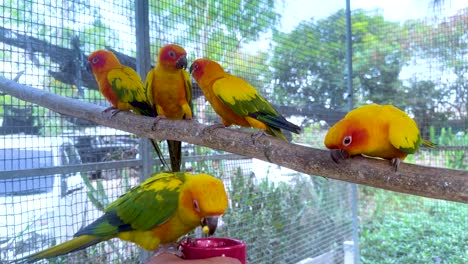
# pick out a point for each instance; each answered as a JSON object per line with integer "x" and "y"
{"x": 444, "y": 46}
{"x": 378, "y": 58}
{"x": 310, "y": 62}
{"x": 309, "y": 65}
{"x": 424, "y": 101}
{"x": 214, "y": 28}
{"x": 306, "y": 61}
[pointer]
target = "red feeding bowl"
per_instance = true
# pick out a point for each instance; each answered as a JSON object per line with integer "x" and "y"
{"x": 201, "y": 248}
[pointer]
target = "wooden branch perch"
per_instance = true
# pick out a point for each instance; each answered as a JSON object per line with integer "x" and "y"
{"x": 430, "y": 182}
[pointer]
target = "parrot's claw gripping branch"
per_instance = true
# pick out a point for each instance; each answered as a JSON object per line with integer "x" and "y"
{"x": 111, "y": 110}
{"x": 255, "y": 136}
{"x": 171, "y": 248}
{"x": 395, "y": 163}
{"x": 156, "y": 121}
{"x": 209, "y": 129}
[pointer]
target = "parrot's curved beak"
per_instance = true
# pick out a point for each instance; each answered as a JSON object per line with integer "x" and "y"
{"x": 191, "y": 68}
{"x": 338, "y": 154}
{"x": 182, "y": 62}
{"x": 88, "y": 67}
{"x": 211, "y": 223}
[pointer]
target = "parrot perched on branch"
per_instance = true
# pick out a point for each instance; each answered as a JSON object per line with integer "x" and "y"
{"x": 122, "y": 87}
{"x": 236, "y": 101}
{"x": 163, "y": 208}
{"x": 171, "y": 92}
{"x": 382, "y": 131}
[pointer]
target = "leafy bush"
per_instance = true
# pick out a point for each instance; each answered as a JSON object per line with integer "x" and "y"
{"x": 287, "y": 222}
{"x": 411, "y": 229}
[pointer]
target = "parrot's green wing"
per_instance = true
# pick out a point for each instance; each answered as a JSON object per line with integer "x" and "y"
{"x": 129, "y": 88}
{"x": 241, "y": 97}
{"x": 403, "y": 132}
{"x": 244, "y": 100}
{"x": 145, "y": 206}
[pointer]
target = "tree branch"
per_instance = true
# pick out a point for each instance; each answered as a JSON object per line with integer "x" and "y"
{"x": 430, "y": 182}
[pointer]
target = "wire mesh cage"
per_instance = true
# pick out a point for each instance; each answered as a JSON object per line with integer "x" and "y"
{"x": 58, "y": 173}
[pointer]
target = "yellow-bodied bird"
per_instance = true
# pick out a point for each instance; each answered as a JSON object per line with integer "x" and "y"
{"x": 122, "y": 87}
{"x": 163, "y": 208}
{"x": 171, "y": 92}
{"x": 382, "y": 131}
{"x": 236, "y": 101}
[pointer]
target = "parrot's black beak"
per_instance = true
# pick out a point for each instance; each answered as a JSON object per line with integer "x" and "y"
{"x": 88, "y": 67}
{"x": 182, "y": 62}
{"x": 338, "y": 154}
{"x": 191, "y": 68}
{"x": 211, "y": 222}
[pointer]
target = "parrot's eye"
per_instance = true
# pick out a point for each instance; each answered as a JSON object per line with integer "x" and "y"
{"x": 95, "y": 60}
{"x": 195, "y": 205}
{"x": 347, "y": 141}
{"x": 171, "y": 54}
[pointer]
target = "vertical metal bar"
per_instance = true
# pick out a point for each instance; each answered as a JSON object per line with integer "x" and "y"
{"x": 142, "y": 37}
{"x": 349, "y": 84}
{"x": 143, "y": 65}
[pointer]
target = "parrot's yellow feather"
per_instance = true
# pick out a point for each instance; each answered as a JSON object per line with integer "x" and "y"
{"x": 375, "y": 130}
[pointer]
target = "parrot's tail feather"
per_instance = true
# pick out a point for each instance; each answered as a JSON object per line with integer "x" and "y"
{"x": 159, "y": 152}
{"x": 143, "y": 108}
{"x": 175, "y": 154}
{"x": 428, "y": 143}
{"x": 75, "y": 244}
{"x": 278, "y": 122}
{"x": 276, "y": 132}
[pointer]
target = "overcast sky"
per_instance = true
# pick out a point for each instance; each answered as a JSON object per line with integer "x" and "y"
{"x": 394, "y": 10}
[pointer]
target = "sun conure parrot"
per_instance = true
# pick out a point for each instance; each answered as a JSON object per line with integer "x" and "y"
{"x": 382, "y": 131}
{"x": 122, "y": 87}
{"x": 163, "y": 208}
{"x": 236, "y": 101}
{"x": 171, "y": 92}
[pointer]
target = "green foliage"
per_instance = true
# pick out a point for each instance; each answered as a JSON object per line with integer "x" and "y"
{"x": 217, "y": 28}
{"x": 424, "y": 101}
{"x": 97, "y": 195}
{"x": 443, "y": 46}
{"x": 457, "y": 159}
{"x": 454, "y": 158}
{"x": 98, "y": 35}
{"x": 252, "y": 68}
{"x": 17, "y": 11}
{"x": 448, "y": 138}
{"x": 312, "y": 135}
{"x": 310, "y": 62}
{"x": 281, "y": 222}
{"x": 450, "y": 151}
{"x": 398, "y": 228}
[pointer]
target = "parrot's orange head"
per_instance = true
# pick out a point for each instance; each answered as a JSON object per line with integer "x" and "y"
{"x": 102, "y": 61}
{"x": 348, "y": 136}
{"x": 204, "y": 199}
{"x": 173, "y": 56}
{"x": 206, "y": 70}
